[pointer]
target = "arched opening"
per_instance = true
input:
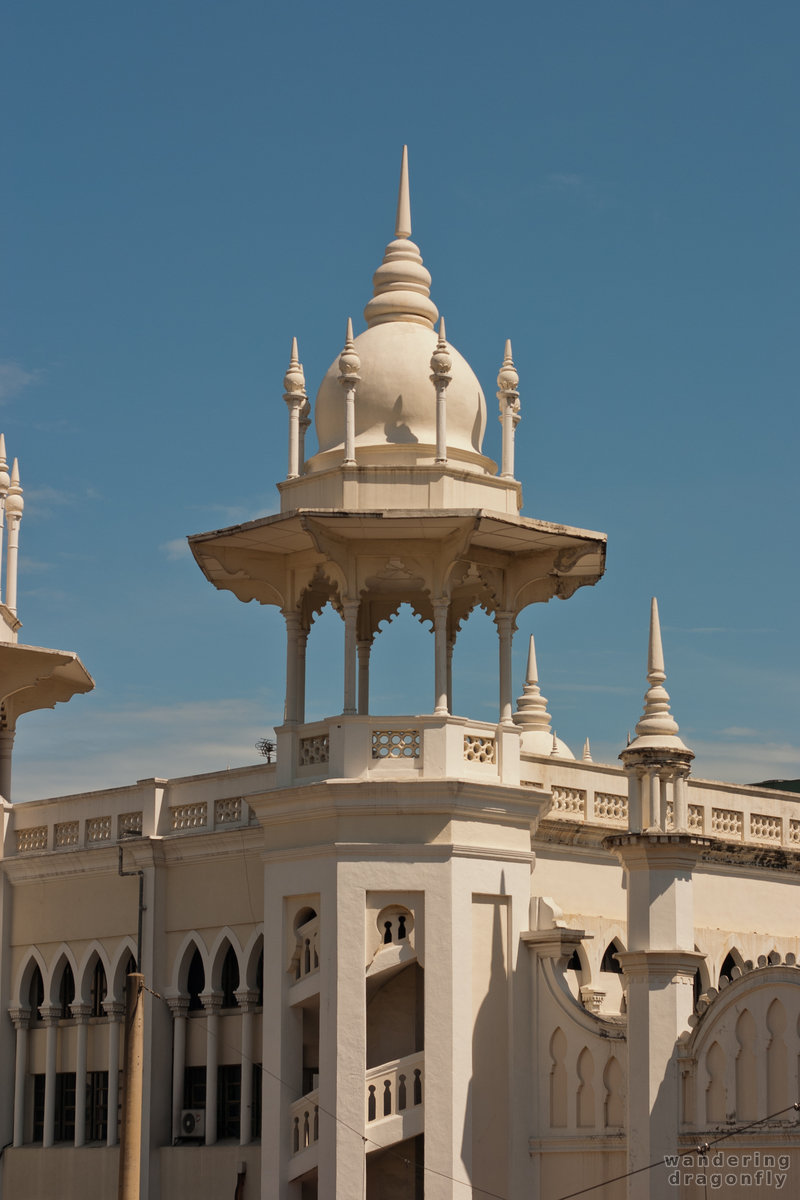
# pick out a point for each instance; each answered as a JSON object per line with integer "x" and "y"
{"x": 260, "y": 980}
{"x": 66, "y": 993}
{"x": 475, "y": 668}
{"x": 195, "y": 981}
{"x": 230, "y": 979}
{"x": 401, "y": 667}
{"x": 609, "y": 963}
{"x": 98, "y": 987}
{"x": 726, "y": 970}
{"x": 395, "y": 1014}
{"x": 36, "y": 995}
{"x": 324, "y": 658}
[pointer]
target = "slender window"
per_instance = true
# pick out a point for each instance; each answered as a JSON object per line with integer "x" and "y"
{"x": 98, "y": 990}
{"x": 229, "y": 1101}
{"x": 66, "y": 992}
{"x": 230, "y": 979}
{"x": 196, "y": 981}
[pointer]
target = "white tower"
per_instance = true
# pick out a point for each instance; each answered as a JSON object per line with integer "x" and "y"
{"x": 398, "y": 846}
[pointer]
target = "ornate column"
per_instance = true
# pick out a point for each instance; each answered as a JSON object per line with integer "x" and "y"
{"x": 247, "y": 1003}
{"x": 350, "y": 608}
{"x": 294, "y": 394}
{"x": 179, "y": 1007}
{"x": 441, "y": 608}
{"x": 505, "y": 633}
{"x": 21, "y": 1018}
{"x": 6, "y": 749}
{"x": 50, "y": 1015}
{"x": 451, "y": 645}
{"x": 212, "y": 1003}
{"x": 81, "y": 1014}
{"x": 680, "y": 806}
{"x": 292, "y": 618}
{"x": 305, "y": 421}
{"x": 507, "y": 394}
{"x": 364, "y": 646}
{"x": 441, "y": 366}
{"x": 14, "y": 506}
{"x": 115, "y": 1011}
{"x": 349, "y": 364}
{"x": 656, "y": 817}
{"x": 302, "y": 644}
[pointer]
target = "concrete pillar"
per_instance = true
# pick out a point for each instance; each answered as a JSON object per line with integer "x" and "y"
{"x": 6, "y": 750}
{"x": 634, "y": 800}
{"x": 179, "y": 1007}
{"x": 292, "y": 619}
{"x": 656, "y": 815}
{"x": 81, "y": 1014}
{"x": 450, "y": 648}
{"x": 364, "y": 647}
{"x": 50, "y": 1015}
{"x": 21, "y": 1018}
{"x": 115, "y": 1012}
{"x": 247, "y": 1001}
{"x": 295, "y": 404}
{"x": 440, "y": 611}
{"x": 302, "y": 644}
{"x": 659, "y": 970}
{"x": 680, "y": 807}
{"x": 505, "y": 631}
{"x": 212, "y": 1002}
{"x": 350, "y": 625}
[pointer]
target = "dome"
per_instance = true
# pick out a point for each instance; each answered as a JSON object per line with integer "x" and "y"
{"x": 395, "y": 404}
{"x": 395, "y": 397}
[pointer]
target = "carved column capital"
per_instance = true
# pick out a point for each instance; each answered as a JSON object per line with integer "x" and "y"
{"x": 80, "y": 1012}
{"x": 21, "y": 1017}
{"x": 178, "y": 1006}
{"x": 50, "y": 1013}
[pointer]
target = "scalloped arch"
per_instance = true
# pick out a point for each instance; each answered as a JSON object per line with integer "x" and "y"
{"x": 83, "y": 980}
{"x": 22, "y": 985}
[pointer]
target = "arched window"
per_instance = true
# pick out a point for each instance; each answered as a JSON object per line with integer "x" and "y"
{"x": 609, "y": 962}
{"x": 574, "y": 963}
{"x": 98, "y": 990}
{"x": 66, "y": 993}
{"x": 260, "y": 979}
{"x": 230, "y": 979}
{"x": 196, "y": 982}
{"x": 726, "y": 970}
{"x": 36, "y": 994}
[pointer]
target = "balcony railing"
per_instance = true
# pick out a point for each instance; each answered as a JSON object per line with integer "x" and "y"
{"x": 394, "y": 1087}
{"x": 304, "y": 1122}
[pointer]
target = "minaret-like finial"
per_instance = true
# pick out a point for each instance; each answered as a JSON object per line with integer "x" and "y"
{"x": 587, "y": 752}
{"x": 554, "y": 751}
{"x": 508, "y": 395}
{"x": 402, "y": 225}
{"x": 441, "y": 366}
{"x": 5, "y": 478}
{"x": 532, "y": 706}
{"x": 349, "y": 366}
{"x": 401, "y": 286}
{"x": 14, "y": 505}
{"x": 657, "y": 720}
{"x": 294, "y": 393}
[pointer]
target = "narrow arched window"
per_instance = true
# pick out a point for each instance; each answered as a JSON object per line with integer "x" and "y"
{"x": 726, "y": 970}
{"x": 260, "y": 979}
{"x": 230, "y": 979}
{"x": 609, "y": 962}
{"x": 196, "y": 982}
{"x": 66, "y": 993}
{"x": 98, "y": 990}
{"x": 36, "y": 994}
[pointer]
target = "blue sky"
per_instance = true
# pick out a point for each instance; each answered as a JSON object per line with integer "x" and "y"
{"x": 612, "y": 185}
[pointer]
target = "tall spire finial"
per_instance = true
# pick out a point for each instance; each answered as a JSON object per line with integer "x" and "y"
{"x": 402, "y": 225}
{"x": 532, "y": 705}
{"x": 656, "y": 720}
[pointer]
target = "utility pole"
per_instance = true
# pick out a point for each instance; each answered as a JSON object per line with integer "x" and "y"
{"x": 130, "y": 1142}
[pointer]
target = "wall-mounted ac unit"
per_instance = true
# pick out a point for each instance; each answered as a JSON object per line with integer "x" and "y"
{"x": 193, "y": 1122}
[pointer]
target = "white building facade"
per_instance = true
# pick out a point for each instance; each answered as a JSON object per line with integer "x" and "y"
{"x": 418, "y": 955}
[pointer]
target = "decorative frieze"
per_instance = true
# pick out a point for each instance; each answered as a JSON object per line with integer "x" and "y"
{"x": 695, "y": 818}
{"x": 314, "y": 750}
{"x": 765, "y": 828}
{"x": 34, "y": 838}
{"x": 228, "y": 811}
{"x": 727, "y": 822}
{"x": 610, "y": 807}
{"x": 570, "y": 801}
{"x": 98, "y": 829}
{"x": 395, "y": 743}
{"x": 479, "y": 749}
{"x": 129, "y": 824}
{"x": 66, "y": 833}
{"x": 189, "y": 816}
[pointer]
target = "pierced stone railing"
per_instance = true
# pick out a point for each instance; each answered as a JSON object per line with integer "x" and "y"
{"x": 727, "y": 822}
{"x": 228, "y": 811}
{"x": 315, "y": 749}
{"x": 98, "y": 829}
{"x": 66, "y": 833}
{"x": 479, "y": 749}
{"x": 569, "y": 800}
{"x": 189, "y": 816}
{"x": 129, "y": 823}
{"x": 304, "y": 1122}
{"x": 394, "y": 1087}
{"x": 395, "y": 743}
{"x": 33, "y": 838}
{"x": 610, "y": 807}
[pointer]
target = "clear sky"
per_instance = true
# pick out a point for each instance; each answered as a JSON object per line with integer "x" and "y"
{"x": 613, "y": 185}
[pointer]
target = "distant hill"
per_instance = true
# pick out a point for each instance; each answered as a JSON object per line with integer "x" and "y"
{"x": 781, "y": 785}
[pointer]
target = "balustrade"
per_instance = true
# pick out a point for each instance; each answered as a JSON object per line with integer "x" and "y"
{"x": 304, "y": 1122}
{"x": 394, "y": 1087}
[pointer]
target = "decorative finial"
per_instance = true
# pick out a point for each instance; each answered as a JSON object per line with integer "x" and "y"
{"x": 532, "y": 705}
{"x": 657, "y": 718}
{"x": 554, "y": 751}
{"x": 587, "y": 752}
{"x": 401, "y": 286}
{"x": 294, "y": 381}
{"x": 441, "y": 362}
{"x": 402, "y": 225}
{"x": 508, "y": 377}
{"x": 349, "y": 361}
{"x": 5, "y": 478}
{"x": 14, "y": 501}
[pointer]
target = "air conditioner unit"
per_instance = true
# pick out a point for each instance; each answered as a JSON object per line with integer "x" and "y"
{"x": 193, "y": 1122}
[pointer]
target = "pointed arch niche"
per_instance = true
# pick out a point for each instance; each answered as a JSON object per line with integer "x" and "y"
{"x": 400, "y": 676}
